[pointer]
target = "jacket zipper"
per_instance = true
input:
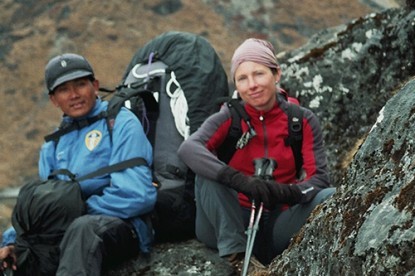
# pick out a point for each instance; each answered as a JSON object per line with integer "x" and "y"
{"x": 262, "y": 119}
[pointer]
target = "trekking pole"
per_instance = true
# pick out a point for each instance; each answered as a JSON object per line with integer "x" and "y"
{"x": 259, "y": 171}
{"x": 263, "y": 169}
{"x": 248, "y": 241}
{"x": 254, "y": 231}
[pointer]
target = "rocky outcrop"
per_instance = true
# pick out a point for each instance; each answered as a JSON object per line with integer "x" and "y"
{"x": 367, "y": 228}
{"x": 347, "y": 73}
{"x": 179, "y": 258}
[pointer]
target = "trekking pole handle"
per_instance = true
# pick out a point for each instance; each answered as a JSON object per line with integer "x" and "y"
{"x": 259, "y": 166}
{"x": 271, "y": 166}
{"x": 264, "y": 167}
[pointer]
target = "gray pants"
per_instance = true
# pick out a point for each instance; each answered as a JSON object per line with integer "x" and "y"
{"x": 94, "y": 242}
{"x": 221, "y": 222}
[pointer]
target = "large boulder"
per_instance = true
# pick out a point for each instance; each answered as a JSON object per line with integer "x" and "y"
{"x": 360, "y": 84}
{"x": 347, "y": 73}
{"x": 367, "y": 227}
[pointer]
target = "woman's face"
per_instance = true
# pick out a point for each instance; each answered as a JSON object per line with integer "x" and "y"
{"x": 255, "y": 84}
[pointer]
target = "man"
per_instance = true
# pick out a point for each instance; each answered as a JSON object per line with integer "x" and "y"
{"x": 113, "y": 228}
{"x": 224, "y": 192}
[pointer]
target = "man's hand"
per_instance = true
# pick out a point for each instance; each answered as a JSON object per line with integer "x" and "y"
{"x": 7, "y": 257}
{"x": 253, "y": 187}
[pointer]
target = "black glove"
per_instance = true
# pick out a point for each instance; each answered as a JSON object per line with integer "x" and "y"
{"x": 252, "y": 187}
{"x": 285, "y": 193}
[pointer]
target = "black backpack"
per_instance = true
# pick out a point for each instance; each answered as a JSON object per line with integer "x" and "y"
{"x": 173, "y": 72}
{"x": 43, "y": 211}
{"x": 236, "y": 139}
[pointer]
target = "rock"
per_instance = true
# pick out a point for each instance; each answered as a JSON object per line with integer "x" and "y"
{"x": 347, "y": 73}
{"x": 367, "y": 227}
{"x": 181, "y": 258}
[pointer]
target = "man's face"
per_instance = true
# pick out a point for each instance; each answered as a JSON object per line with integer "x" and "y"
{"x": 76, "y": 98}
{"x": 255, "y": 84}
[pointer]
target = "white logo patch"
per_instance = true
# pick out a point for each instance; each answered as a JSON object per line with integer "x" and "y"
{"x": 92, "y": 139}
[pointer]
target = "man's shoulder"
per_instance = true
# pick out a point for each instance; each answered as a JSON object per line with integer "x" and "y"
{"x": 124, "y": 114}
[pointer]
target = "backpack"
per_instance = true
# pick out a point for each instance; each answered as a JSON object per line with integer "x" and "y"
{"x": 171, "y": 84}
{"x": 43, "y": 211}
{"x": 236, "y": 139}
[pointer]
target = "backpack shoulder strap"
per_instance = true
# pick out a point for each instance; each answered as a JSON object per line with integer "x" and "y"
{"x": 137, "y": 161}
{"x": 123, "y": 93}
{"x": 235, "y": 138}
{"x": 75, "y": 125}
{"x": 295, "y": 134}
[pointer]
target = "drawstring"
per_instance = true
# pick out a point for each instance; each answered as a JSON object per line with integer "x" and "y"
{"x": 178, "y": 103}
{"x": 150, "y": 61}
{"x": 179, "y": 107}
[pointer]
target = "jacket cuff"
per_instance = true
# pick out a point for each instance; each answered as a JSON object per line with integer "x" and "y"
{"x": 9, "y": 237}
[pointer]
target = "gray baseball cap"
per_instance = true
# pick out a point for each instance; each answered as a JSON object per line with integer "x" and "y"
{"x": 64, "y": 68}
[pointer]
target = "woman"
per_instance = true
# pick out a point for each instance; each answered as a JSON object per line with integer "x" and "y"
{"x": 224, "y": 191}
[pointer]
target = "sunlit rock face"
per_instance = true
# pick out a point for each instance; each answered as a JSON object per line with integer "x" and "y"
{"x": 347, "y": 73}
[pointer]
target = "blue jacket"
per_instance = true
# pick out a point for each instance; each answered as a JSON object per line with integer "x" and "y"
{"x": 126, "y": 194}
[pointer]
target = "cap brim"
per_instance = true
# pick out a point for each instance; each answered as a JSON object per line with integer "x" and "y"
{"x": 70, "y": 76}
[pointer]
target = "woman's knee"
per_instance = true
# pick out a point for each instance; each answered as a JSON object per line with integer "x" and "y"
{"x": 324, "y": 194}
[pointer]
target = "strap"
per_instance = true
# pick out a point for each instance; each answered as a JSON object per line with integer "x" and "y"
{"x": 64, "y": 172}
{"x": 75, "y": 125}
{"x": 295, "y": 134}
{"x": 123, "y": 93}
{"x": 138, "y": 161}
{"x": 228, "y": 147}
{"x": 236, "y": 104}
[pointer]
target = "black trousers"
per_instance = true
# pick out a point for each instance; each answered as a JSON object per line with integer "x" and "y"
{"x": 95, "y": 242}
